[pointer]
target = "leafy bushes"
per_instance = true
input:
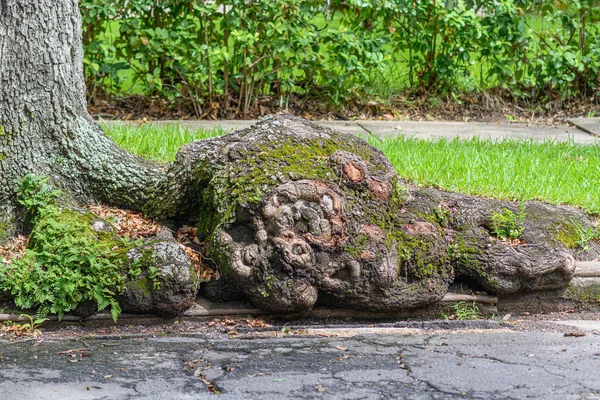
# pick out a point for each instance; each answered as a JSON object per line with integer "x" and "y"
{"x": 67, "y": 262}
{"x": 235, "y": 54}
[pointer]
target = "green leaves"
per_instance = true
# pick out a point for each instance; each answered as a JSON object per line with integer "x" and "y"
{"x": 508, "y": 225}
{"x": 67, "y": 262}
{"x": 340, "y": 51}
{"x": 36, "y": 195}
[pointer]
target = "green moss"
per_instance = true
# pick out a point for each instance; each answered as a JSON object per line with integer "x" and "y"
{"x": 142, "y": 285}
{"x": 417, "y": 252}
{"x": 429, "y": 217}
{"x": 464, "y": 248}
{"x": 3, "y": 233}
{"x": 583, "y": 295}
{"x": 443, "y": 216}
{"x": 465, "y": 254}
{"x": 357, "y": 245}
{"x": 289, "y": 159}
{"x": 64, "y": 223}
{"x": 414, "y": 253}
{"x": 566, "y": 234}
{"x": 147, "y": 258}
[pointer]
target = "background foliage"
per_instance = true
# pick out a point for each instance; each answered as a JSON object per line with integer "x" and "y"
{"x": 236, "y": 55}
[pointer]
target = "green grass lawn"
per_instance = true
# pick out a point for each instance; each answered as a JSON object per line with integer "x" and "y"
{"x": 159, "y": 143}
{"x": 559, "y": 173}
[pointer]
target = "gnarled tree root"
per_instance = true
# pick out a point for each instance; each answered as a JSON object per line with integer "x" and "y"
{"x": 295, "y": 214}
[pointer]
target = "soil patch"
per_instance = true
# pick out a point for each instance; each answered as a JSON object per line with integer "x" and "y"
{"x": 490, "y": 106}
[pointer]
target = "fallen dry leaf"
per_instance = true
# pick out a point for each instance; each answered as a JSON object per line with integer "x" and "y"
{"x": 14, "y": 249}
{"x": 126, "y": 223}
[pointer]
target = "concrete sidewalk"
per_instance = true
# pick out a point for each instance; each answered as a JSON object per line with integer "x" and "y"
{"x": 589, "y": 125}
{"x": 424, "y": 130}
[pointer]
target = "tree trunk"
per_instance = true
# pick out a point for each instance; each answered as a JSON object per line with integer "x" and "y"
{"x": 45, "y": 128}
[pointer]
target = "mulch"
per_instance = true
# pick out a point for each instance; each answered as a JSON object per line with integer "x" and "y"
{"x": 490, "y": 106}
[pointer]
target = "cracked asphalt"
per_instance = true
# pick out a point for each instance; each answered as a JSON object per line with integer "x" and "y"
{"x": 344, "y": 363}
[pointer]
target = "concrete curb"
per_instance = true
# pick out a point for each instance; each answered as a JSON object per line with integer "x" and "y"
{"x": 589, "y": 125}
{"x": 206, "y": 309}
{"x": 587, "y": 277}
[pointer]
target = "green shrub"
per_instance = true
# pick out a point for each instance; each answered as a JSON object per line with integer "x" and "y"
{"x": 67, "y": 262}
{"x": 239, "y": 52}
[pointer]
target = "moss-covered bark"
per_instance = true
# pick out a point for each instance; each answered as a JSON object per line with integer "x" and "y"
{"x": 293, "y": 212}
{"x": 542, "y": 257}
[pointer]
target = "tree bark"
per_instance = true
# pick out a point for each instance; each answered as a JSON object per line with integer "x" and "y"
{"x": 296, "y": 215}
{"x": 293, "y": 214}
{"x": 45, "y": 128}
{"x": 542, "y": 258}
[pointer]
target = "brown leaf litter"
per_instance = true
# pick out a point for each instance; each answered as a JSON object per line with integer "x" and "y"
{"x": 13, "y": 250}
{"x": 126, "y": 223}
{"x": 135, "y": 225}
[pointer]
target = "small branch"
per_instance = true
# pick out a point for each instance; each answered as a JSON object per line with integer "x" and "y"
{"x": 74, "y": 350}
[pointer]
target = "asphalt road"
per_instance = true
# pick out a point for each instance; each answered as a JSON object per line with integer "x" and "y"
{"x": 347, "y": 364}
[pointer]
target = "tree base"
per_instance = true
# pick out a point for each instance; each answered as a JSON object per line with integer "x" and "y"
{"x": 8, "y": 224}
{"x": 294, "y": 215}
